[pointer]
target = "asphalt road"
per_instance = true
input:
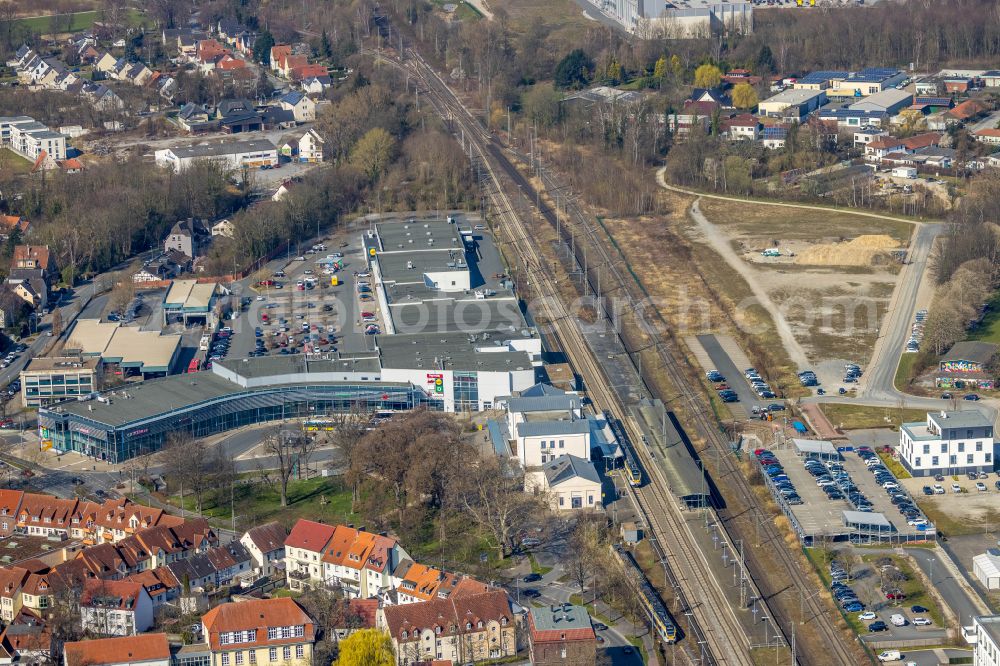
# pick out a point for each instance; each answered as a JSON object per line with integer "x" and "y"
{"x": 951, "y": 589}
{"x": 877, "y": 382}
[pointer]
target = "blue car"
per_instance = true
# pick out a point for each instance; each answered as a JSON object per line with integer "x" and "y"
{"x": 855, "y": 607}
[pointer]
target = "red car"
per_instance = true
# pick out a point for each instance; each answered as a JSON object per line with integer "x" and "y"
{"x": 895, "y": 596}
{"x": 367, "y": 314}
{"x": 6, "y": 424}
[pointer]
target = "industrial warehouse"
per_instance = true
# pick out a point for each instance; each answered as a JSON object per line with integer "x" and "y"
{"x": 453, "y": 340}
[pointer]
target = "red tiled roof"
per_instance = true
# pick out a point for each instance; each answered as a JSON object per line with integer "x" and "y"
{"x": 257, "y": 614}
{"x": 451, "y": 614}
{"x": 128, "y": 649}
{"x": 922, "y": 140}
{"x": 309, "y": 535}
{"x": 116, "y": 594}
{"x": 989, "y": 131}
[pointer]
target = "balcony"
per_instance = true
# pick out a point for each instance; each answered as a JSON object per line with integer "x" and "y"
{"x": 299, "y": 575}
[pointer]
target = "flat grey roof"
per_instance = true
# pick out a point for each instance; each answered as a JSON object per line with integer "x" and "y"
{"x": 396, "y": 233}
{"x": 546, "y": 403}
{"x": 554, "y": 428}
{"x": 465, "y": 314}
{"x": 453, "y": 351}
{"x": 793, "y": 96}
{"x": 990, "y": 624}
{"x": 562, "y": 616}
{"x": 223, "y": 148}
{"x": 151, "y": 398}
{"x": 54, "y": 363}
{"x": 971, "y": 418}
{"x": 268, "y": 366}
{"x": 396, "y": 265}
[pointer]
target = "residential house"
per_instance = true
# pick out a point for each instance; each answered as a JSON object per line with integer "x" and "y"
{"x": 572, "y": 483}
{"x": 354, "y": 615}
{"x": 315, "y": 85}
{"x": 561, "y": 635}
{"x": 304, "y": 549}
{"x": 106, "y": 63}
{"x": 8, "y": 223}
{"x": 691, "y": 114}
{"x": 291, "y": 63}
{"x": 358, "y": 563}
{"x": 186, "y": 237}
{"x": 865, "y": 135}
{"x": 223, "y": 227}
{"x": 987, "y": 135}
{"x": 194, "y": 117}
{"x": 867, "y": 82}
{"x": 12, "y": 578}
{"x": 744, "y": 126}
{"x": 311, "y": 146}
{"x": 32, "y": 292}
{"x": 947, "y": 443}
{"x": 278, "y": 54}
{"x": 301, "y": 105}
{"x": 275, "y": 631}
{"x": 307, "y": 71}
{"x": 966, "y": 111}
{"x": 265, "y": 543}
{"x": 115, "y": 608}
{"x": 144, "y": 650}
{"x": 27, "y": 645}
{"x": 283, "y": 190}
{"x": 160, "y": 585}
{"x": 773, "y": 138}
{"x": 463, "y": 629}
{"x": 714, "y": 95}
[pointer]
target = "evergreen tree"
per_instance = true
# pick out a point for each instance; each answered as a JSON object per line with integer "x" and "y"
{"x": 262, "y": 47}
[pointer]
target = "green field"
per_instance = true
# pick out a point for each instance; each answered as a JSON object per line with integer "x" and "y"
{"x": 78, "y": 21}
{"x": 14, "y": 162}
{"x": 319, "y": 498}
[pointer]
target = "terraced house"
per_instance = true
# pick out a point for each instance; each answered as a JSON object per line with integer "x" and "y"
{"x": 265, "y": 632}
{"x": 463, "y": 628}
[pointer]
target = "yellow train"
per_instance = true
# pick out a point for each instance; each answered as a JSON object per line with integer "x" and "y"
{"x": 657, "y": 612}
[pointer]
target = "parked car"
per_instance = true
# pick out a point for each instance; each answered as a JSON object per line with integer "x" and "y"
{"x": 922, "y": 622}
{"x": 877, "y": 626}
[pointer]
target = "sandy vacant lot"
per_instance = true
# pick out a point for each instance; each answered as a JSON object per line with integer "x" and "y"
{"x": 833, "y": 279}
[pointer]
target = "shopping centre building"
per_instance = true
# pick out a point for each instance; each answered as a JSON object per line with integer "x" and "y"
{"x": 454, "y": 341}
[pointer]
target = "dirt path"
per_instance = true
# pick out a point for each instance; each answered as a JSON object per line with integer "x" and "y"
{"x": 662, "y": 181}
{"x": 718, "y": 242}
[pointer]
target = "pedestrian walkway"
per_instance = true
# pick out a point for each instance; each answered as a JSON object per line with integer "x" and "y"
{"x": 819, "y": 423}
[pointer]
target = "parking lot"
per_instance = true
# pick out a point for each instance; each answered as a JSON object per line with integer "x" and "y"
{"x": 291, "y": 317}
{"x": 821, "y": 517}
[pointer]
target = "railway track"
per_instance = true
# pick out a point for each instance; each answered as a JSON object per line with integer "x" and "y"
{"x": 482, "y": 146}
{"x": 676, "y": 366}
{"x": 712, "y": 621}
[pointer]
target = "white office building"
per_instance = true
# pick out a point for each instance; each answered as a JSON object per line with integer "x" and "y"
{"x": 947, "y": 443}
{"x": 233, "y": 154}
{"x": 987, "y": 640}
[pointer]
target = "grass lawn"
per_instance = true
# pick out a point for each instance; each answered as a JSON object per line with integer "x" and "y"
{"x": 854, "y": 417}
{"x": 320, "y": 498}
{"x": 79, "y": 21}
{"x": 17, "y": 164}
{"x": 904, "y": 371}
{"x": 463, "y": 11}
{"x": 988, "y": 329}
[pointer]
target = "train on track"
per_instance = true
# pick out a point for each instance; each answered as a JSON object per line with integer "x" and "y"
{"x": 659, "y": 617}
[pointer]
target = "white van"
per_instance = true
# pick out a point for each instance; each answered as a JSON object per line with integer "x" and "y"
{"x": 898, "y": 620}
{"x": 890, "y": 655}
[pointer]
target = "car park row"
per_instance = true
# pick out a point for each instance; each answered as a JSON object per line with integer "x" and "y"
{"x": 916, "y": 332}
